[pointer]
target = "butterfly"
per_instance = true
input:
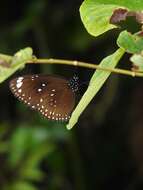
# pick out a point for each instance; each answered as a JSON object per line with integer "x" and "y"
{"x": 53, "y": 96}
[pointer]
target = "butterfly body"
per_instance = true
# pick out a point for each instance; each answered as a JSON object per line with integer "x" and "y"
{"x": 52, "y": 96}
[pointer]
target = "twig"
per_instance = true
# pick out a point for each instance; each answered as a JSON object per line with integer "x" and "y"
{"x": 84, "y": 64}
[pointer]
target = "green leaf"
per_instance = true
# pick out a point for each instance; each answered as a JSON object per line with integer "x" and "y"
{"x": 134, "y": 5}
{"x": 36, "y": 156}
{"x": 95, "y": 17}
{"x": 19, "y": 143}
{"x": 96, "y": 82}
{"x": 25, "y": 141}
{"x": 12, "y": 64}
{"x": 95, "y": 14}
{"x": 131, "y": 43}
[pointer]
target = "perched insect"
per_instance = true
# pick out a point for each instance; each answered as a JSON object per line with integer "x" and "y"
{"x": 52, "y": 96}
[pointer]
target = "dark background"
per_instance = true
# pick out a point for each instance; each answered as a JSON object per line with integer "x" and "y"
{"x": 104, "y": 150}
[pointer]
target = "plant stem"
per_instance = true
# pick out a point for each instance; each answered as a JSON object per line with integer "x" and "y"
{"x": 84, "y": 64}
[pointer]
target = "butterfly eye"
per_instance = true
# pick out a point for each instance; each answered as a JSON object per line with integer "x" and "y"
{"x": 52, "y": 96}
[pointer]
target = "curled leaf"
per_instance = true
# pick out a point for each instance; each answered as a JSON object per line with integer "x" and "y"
{"x": 9, "y": 64}
{"x": 137, "y": 60}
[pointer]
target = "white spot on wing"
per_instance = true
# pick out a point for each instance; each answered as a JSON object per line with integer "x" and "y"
{"x": 20, "y": 78}
{"x": 20, "y": 90}
{"x": 19, "y": 84}
{"x": 39, "y": 89}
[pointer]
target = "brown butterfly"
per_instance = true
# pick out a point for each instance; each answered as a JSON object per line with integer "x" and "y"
{"x": 52, "y": 96}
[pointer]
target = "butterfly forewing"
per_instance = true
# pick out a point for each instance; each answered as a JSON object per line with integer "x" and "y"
{"x": 50, "y": 95}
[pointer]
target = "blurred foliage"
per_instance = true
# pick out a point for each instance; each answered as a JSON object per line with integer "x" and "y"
{"x": 24, "y": 152}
